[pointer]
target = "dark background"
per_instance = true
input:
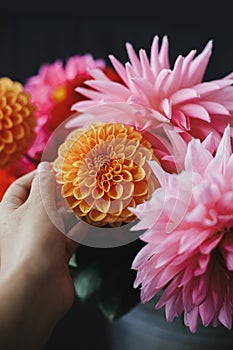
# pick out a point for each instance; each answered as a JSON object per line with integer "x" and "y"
{"x": 35, "y": 33}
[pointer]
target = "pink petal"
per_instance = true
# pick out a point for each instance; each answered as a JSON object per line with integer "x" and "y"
{"x": 119, "y": 68}
{"x": 133, "y": 58}
{"x": 196, "y": 111}
{"x": 183, "y": 96}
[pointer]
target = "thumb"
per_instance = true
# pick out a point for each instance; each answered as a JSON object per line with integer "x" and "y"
{"x": 43, "y": 194}
{"x": 43, "y": 185}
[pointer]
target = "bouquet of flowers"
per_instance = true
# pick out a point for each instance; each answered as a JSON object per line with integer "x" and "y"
{"x": 142, "y": 154}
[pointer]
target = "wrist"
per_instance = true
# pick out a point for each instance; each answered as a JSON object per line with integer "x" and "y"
{"x": 21, "y": 301}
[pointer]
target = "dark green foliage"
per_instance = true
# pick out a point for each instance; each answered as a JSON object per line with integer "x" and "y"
{"x": 106, "y": 274}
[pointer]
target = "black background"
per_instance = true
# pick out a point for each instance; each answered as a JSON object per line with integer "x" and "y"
{"x": 35, "y": 33}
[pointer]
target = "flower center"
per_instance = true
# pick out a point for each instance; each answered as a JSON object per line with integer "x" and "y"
{"x": 59, "y": 93}
{"x": 109, "y": 174}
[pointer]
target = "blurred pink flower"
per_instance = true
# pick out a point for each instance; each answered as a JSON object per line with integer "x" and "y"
{"x": 53, "y": 93}
{"x": 189, "y": 238}
{"x": 158, "y": 93}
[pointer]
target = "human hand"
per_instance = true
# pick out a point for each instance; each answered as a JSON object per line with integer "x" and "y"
{"x": 34, "y": 274}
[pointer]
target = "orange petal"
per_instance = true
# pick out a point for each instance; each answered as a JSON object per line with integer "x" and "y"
{"x": 95, "y": 215}
{"x": 141, "y": 188}
{"x": 116, "y": 207}
{"x": 138, "y": 173}
{"x": 116, "y": 191}
{"x": 67, "y": 189}
{"x": 126, "y": 175}
{"x": 81, "y": 192}
{"x": 10, "y": 148}
{"x": 106, "y": 186}
{"x": 85, "y": 207}
{"x": 129, "y": 151}
{"x": 128, "y": 189}
{"x": 102, "y": 205}
{"x": 73, "y": 202}
{"x": 97, "y": 193}
{"x": 7, "y": 137}
{"x": 7, "y": 123}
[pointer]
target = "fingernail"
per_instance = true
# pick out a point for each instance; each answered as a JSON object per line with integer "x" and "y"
{"x": 44, "y": 166}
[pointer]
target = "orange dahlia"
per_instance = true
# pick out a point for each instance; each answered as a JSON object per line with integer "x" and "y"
{"x": 103, "y": 171}
{"x": 17, "y": 121}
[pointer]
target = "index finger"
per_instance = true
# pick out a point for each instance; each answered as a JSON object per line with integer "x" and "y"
{"x": 17, "y": 193}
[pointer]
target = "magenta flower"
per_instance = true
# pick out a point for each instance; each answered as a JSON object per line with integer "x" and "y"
{"x": 189, "y": 238}
{"x": 158, "y": 92}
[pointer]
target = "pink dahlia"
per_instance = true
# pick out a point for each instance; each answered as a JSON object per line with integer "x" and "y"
{"x": 52, "y": 92}
{"x": 159, "y": 92}
{"x": 189, "y": 238}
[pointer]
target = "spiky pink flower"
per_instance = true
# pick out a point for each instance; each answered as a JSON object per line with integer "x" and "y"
{"x": 189, "y": 238}
{"x": 159, "y": 92}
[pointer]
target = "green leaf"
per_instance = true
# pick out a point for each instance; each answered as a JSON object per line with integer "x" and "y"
{"x": 86, "y": 280}
{"x": 115, "y": 298}
{"x": 106, "y": 274}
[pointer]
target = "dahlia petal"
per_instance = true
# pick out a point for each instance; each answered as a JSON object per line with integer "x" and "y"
{"x": 171, "y": 308}
{"x": 82, "y": 106}
{"x": 199, "y": 64}
{"x": 183, "y": 96}
{"x": 229, "y": 260}
{"x": 207, "y": 311}
{"x": 167, "y": 256}
{"x": 225, "y": 316}
{"x": 214, "y": 108}
{"x": 116, "y": 191}
{"x": 119, "y": 68}
{"x": 167, "y": 107}
{"x": 200, "y": 290}
{"x": 196, "y": 111}
{"x": 186, "y": 66}
{"x": 145, "y": 88}
{"x": 148, "y": 293}
{"x": 146, "y": 70}
{"x": 88, "y": 93}
{"x": 193, "y": 162}
{"x": 85, "y": 207}
{"x": 134, "y": 58}
{"x": 203, "y": 262}
{"x": 131, "y": 74}
{"x": 175, "y": 78}
{"x": 160, "y": 174}
{"x": 197, "y": 214}
{"x": 210, "y": 143}
{"x": 163, "y": 53}
{"x": 96, "y": 215}
{"x": 148, "y": 221}
{"x": 160, "y": 81}
{"x": 191, "y": 319}
{"x": 97, "y": 73}
{"x": 207, "y": 193}
{"x": 224, "y": 149}
{"x": 165, "y": 275}
{"x": 154, "y": 57}
{"x": 171, "y": 290}
{"x": 181, "y": 119}
{"x": 210, "y": 244}
{"x": 116, "y": 207}
{"x": 192, "y": 241}
{"x": 187, "y": 296}
{"x": 113, "y": 88}
{"x": 143, "y": 255}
